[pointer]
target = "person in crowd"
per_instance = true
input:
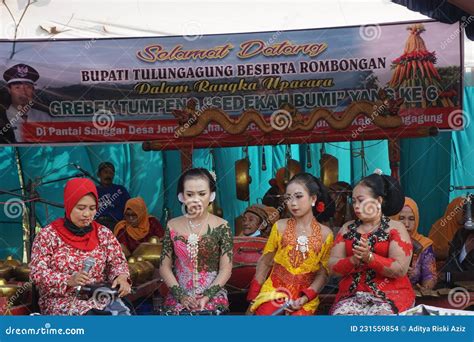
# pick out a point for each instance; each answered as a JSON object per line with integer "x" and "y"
{"x": 294, "y": 266}
{"x": 339, "y": 193}
{"x": 62, "y": 249}
{"x": 372, "y": 254}
{"x": 258, "y": 219}
{"x": 461, "y": 250}
{"x": 444, "y": 229}
{"x": 138, "y": 226}
{"x": 196, "y": 259}
{"x": 112, "y": 197}
{"x": 422, "y": 271}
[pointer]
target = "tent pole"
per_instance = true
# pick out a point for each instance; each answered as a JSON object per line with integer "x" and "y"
{"x": 394, "y": 157}
{"x": 186, "y": 158}
{"x": 25, "y": 220}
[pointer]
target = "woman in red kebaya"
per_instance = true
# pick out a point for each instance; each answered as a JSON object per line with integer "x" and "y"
{"x": 372, "y": 253}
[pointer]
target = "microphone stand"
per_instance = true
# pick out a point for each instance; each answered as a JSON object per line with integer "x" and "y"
{"x": 31, "y": 198}
{"x": 461, "y": 187}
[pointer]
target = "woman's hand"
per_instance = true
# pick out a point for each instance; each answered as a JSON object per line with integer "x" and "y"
{"x": 297, "y": 304}
{"x": 469, "y": 243}
{"x": 362, "y": 250}
{"x": 411, "y": 271}
{"x": 124, "y": 287}
{"x": 79, "y": 279}
{"x": 202, "y": 302}
{"x": 189, "y": 303}
{"x": 356, "y": 261}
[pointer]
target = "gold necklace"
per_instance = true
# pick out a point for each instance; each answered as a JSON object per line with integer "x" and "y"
{"x": 192, "y": 246}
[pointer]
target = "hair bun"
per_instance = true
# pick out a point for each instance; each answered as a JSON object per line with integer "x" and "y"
{"x": 389, "y": 189}
{"x": 316, "y": 187}
{"x": 394, "y": 196}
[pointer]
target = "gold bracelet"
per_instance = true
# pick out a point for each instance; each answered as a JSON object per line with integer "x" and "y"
{"x": 371, "y": 256}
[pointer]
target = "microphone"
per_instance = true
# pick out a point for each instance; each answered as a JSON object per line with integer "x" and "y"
{"x": 85, "y": 173}
{"x": 282, "y": 308}
{"x": 88, "y": 264}
{"x": 468, "y": 224}
{"x": 461, "y": 187}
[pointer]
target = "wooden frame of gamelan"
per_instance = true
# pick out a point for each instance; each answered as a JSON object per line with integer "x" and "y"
{"x": 317, "y": 126}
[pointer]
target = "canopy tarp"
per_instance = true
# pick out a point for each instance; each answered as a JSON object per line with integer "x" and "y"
{"x": 428, "y": 165}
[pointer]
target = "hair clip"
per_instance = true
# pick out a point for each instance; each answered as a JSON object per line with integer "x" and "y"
{"x": 213, "y": 174}
{"x": 378, "y": 171}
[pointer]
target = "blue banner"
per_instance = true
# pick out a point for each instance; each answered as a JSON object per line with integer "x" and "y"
{"x": 243, "y": 328}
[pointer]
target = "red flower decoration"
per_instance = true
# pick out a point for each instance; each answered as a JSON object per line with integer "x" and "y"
{"x": 320, "y": 207}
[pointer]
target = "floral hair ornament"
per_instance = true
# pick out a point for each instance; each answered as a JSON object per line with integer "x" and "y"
{"x": 378, "y": 172}
{"x": 213, "y": 174}
{"x": 320, "y": 207}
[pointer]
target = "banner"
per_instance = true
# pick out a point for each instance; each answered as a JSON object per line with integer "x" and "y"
{"x": 237, "y": 328}
{"x": 135, "y": 89}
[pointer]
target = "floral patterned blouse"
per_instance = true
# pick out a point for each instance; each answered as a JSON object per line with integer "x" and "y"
{"x": 213, "y": 244}
{"x": 424, "y": 269}
{"x": 53, "y": 262}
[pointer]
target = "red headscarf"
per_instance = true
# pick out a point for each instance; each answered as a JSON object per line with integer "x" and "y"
{"x": 76, "y": 189}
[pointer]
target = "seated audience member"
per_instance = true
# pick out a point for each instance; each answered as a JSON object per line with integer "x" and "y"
{"x": 461, "y": 251}
{"x": 443, "y": 230}
{"x": 138, "y": 226}
{"x": 339, "y": 193}
{"x": 112, "y": 197}
{"x": 258, "y": 219}
{"x": 422, "y": 271}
